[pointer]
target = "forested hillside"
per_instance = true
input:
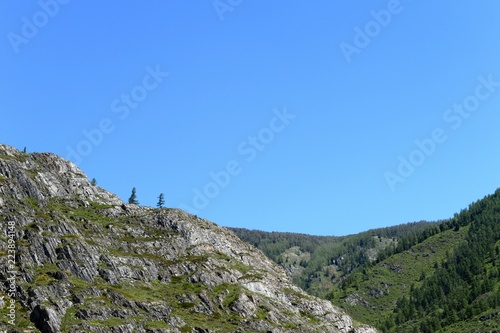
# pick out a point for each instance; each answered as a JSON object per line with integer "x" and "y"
{"x": 418, "y": 277}
{"x": 317, "y": 263}
{"x": 465, "y": 285}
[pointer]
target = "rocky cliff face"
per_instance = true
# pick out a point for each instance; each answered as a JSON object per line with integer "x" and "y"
{"x": 75, "y": 258}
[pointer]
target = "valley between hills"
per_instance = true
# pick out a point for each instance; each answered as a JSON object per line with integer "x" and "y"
{"x": 76, "y": 258}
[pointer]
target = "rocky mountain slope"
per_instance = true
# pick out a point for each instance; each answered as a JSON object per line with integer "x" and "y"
{"x": 75, "y": 258}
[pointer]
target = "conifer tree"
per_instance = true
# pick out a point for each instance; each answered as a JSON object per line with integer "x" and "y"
{"x": 161, "y": 201}
{"x": 133, "y": 197}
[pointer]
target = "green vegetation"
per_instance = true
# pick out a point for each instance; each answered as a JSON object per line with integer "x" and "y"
{"x": 184, "y": 298}
{"x": 31, "y": 202}
{"x": 465, "y": 284}
{"x": 21, "y": 317}
{"x": 322, "y": 261}
{"x": 370, "y": 293}
{"x": 179, "y": 294}
{"x": 20, "y": 157}
{"x": 421, "y": 277}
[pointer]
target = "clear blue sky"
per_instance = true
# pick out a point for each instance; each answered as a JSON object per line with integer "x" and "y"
{"x": 306, "y": 113}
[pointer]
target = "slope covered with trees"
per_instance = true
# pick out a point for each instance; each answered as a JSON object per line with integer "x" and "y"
{"x": 419, "y": 277}
{"x": 465, "y": 284}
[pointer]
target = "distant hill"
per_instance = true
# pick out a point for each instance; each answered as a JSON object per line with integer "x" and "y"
{"x": 419, "y": 277}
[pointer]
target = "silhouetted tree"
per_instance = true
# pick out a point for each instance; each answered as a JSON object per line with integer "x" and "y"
{"x": 94, "y": 182}
{"x": 161, "y": 201}
{"x": 133, "y": 197}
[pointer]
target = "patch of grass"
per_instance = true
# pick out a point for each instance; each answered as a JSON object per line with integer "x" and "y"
{"x": 80, "y": 213}
{"x": 262, "y": 314}
{"x": 22, "y": 317}
{"x": 233, "y": 291}
{"x": 70, "y": 236}
{"x": 187, "y": 305}
{"x": 22, "y": 157}
{"x": 44, "y": 274}
{"x": 186, "y": 329}
{"x": 78, "y": 285}
{"x": 44, "y": 279}
{"x": 99, "y": 206}
{"x": 290, "y": 325}
{"x": 252, "y": 276}
{"x": 47, "y": 268}
{"x": 238, "y": 265}
{"x": 69, "y": 320}
{"x": 294, "y": 293}
{"x": 91, "y": 242}
{"x": 111, "y": 321}
{"x": 32, "y": 173}
{"x": 31, "y": 202}
{"x": 156, "y": 324}
{"x": 311, "y": 318}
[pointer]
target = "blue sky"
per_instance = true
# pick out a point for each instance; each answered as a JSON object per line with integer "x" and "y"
{"x": 323, "y": 118}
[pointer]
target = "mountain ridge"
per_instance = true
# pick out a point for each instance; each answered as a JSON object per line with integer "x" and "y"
{"x": 87, "y": 262}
